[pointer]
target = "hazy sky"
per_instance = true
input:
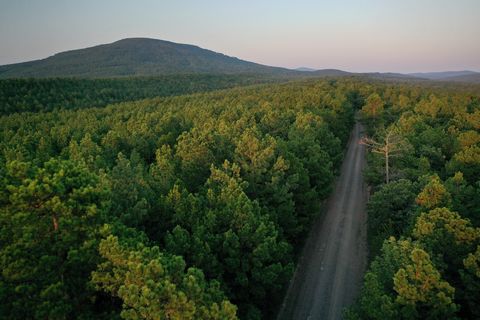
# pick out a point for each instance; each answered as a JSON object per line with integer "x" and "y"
{"x": 362, "y": 35}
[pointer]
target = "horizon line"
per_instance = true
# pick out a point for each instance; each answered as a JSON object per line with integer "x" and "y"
{"x": 313, "y": 69}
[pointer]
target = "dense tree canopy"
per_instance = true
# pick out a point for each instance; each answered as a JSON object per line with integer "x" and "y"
{"x": 176, "y": 207}
{"x": 21, "y": 95}
{"x": 423, "y": 225}
{"x": 196, "y": 206}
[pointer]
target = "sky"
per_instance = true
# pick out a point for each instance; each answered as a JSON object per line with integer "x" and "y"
{"x": 352, "y": 35}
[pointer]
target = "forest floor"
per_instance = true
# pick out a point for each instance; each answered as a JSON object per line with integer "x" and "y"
{"x": 330, "y": 271}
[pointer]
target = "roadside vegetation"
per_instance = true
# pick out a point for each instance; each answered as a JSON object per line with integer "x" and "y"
{"x": 424, "y": 211}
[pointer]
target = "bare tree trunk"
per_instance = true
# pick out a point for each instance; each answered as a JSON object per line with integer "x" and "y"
{"x": 391, "y": 146}
{"x": 55, "y": 223}
{"x": 387, "y": 149}
{"x": 387, "y": 175}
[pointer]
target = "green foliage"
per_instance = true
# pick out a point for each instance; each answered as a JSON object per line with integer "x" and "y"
{"x": 48, "y": 238}
{"x": 390, "y": 211}
{"x": 225, "y": 234}
{"x": 431, "y": 271}
{"x": 153, "y": 285}
{"x": 209, "y": 196}
{"x": 419, "y": 287}
{"x": 467, "y": 161}
{"x": 440, "y": 228}
{"x": 217, "y": 189}
{"x": 433, "y": 195}
{"x": 403, "y": 283}
{"x": 373, "y": 110}
{"x": 471, "y": 280}
{"x": 34, "y": 95}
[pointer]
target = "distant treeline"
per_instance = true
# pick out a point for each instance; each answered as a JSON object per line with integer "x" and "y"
{"x": 34, "y": 95}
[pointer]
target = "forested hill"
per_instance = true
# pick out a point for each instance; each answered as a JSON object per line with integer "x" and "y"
{"x": 144, "y": 57}
{"x": 135, "y": 57}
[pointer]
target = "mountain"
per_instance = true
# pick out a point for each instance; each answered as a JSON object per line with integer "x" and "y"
{"x": 471, "y": 77}
{"x": 331, "y": 73}
{"x": 151, "y": 57}
{"x": 135, "y": 57}
{"x": 443, "y": 75}
{"x": 392, "y": 76}
{"x": 305, "y": 69}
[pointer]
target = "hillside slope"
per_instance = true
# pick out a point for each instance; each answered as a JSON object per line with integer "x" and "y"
{"x": 471, "y": 78}
{"x": 135, "y": 57}
{"x": 443, "y": 75}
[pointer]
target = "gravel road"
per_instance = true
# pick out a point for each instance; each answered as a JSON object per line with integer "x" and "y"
{"x": 330, "y": 271}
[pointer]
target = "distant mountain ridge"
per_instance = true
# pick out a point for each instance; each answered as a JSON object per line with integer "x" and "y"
{"x": 133, "y": 57}
{"x": 304, "y": 69}
{"x": 146, "y": 57}
{"x": 472, "y": 77}
{"x": 442, "y": 75}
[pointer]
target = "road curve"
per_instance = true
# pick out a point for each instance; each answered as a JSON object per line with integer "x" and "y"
{"x": 330, "y": 271}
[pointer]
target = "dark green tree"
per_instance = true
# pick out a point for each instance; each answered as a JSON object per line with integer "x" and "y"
{"x": 49, "y": 236}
